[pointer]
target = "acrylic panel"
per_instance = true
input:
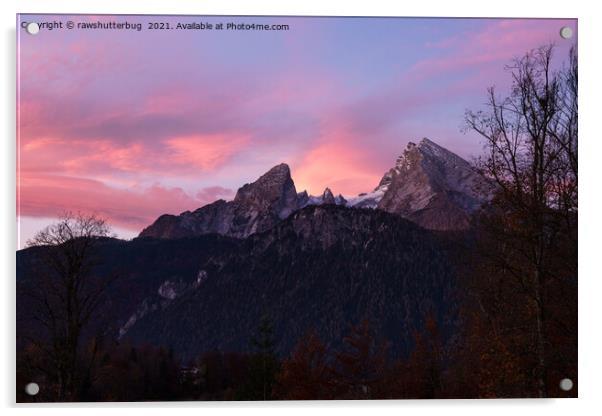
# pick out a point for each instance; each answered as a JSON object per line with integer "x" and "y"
{"x": 295, "y": 208}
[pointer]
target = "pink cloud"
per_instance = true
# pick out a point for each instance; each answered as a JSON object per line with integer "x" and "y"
{"x": 336, "y": 163}
{"x": 177, "y": 156}
{"x": 132, "y": 208}
{"x": 204, "y": 152}
{"x": 68, "y": 134}
{"x": 73, "y": 157}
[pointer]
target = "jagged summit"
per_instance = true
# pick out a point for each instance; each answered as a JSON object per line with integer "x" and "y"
{"x": 433, "y": 150}
{"x": 327, "y": 197}
{"x": 433, "y": 187}
{"x": 429, "y": 185}
{"x": 426, "y": 142}
{"x": 273, "y": 180}
{"x": 274, "y": 192}
{"x": 415, "y": 153}
{"x": 256, "y": 207}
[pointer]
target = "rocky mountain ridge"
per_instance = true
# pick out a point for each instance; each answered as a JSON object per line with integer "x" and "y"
{"x": 428, "y": 185}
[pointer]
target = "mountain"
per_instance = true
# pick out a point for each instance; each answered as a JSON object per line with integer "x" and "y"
{"x": 256, "y": 207}
{"x": 432, "y": 187}
{"x": 428, "y": 185}
{"x": 325, "y": 267}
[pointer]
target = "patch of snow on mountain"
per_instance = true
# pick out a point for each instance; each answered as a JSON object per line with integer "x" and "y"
{"x": 367, "y": 200}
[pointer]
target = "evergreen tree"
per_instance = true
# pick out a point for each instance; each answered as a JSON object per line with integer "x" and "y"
{"x": 263, "y": 365}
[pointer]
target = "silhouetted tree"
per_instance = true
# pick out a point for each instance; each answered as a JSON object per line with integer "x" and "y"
{"x": 528, "y": 233}
{"x": 65, "y": 296}
{"x": 306, "y": 374}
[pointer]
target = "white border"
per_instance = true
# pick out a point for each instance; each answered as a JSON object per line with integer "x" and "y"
{"x": 590, "y": 278}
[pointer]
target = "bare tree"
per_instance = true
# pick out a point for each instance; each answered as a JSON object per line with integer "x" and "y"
{"x": 531, "y": 142}
{"x": 66, "y": 294}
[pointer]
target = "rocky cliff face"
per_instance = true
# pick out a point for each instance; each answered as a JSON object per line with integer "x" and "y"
{"x": 433, "y": 187}
{"x": 256, "y": 207}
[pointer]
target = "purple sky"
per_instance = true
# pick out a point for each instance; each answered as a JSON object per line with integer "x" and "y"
{"x": 135, "y": 124}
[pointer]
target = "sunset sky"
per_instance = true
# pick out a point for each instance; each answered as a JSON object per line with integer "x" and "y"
{"x": 132, "y": 125}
